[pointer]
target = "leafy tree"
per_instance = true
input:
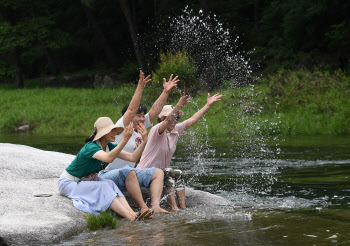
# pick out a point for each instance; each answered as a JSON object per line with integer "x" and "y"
{"x": 292, "y": 26}
{"x": 20, "y": 33}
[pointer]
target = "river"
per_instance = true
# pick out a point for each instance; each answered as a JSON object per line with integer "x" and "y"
{"x": 298, "y": 194}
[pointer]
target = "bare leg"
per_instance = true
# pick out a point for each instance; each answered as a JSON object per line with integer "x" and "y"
{"x": 119, "y": 208}
{"x": 172, "y": 200}
{"x": 125, "y": 204}
{"x": 133, "y": 187}
{"x": 181, "y": 198}
{"x": 156, "y": 189}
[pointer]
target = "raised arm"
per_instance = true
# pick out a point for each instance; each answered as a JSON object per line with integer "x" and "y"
{"x": 160, "y": 102}
{"x": 136, "y": 99}
{"x": 110, "y": 156}
{"x": 134, "y": 157}
{"x": 199, "y": 114}
{"x": 174, "y": 113}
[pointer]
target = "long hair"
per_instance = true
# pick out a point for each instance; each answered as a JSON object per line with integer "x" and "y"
{"x": 92, "y": 136}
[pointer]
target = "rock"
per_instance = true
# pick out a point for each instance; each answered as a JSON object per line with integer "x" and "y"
{"x": 32, "y": 211}
{"x": 98, "y": 81}
{"x": 78, "y": 80}
{"x": 26, "y": 219}
{"x": 194, "y": 198}
{"x": 23, "y": 128}
{"x": 51, "y": 80}
{"x": 107, "y": 82}
{"x": 116, "y": 79}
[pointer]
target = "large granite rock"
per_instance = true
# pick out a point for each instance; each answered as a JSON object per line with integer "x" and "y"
{"x": 32, "y": 212}
{"x": 24, "y": 218}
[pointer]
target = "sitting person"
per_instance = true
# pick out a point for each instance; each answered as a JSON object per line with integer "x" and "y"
{"x": 136, "y": 113}
{"x": 162, "y": 142}
{"x": 80, "y": 182}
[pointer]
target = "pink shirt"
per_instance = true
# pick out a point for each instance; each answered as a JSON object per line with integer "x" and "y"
{"x": 161, "y": 147}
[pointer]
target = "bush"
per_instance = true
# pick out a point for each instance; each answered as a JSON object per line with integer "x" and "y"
{"x": 180, "y": 65}
{"x": 105, "y": 220}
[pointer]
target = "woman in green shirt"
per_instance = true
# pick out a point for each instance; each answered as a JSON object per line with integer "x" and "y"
{"x": 96, "y": 196}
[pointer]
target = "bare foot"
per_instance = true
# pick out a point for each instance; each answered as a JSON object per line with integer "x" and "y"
{"x": 160, "y": 210}
{"x": 174, "y": 209}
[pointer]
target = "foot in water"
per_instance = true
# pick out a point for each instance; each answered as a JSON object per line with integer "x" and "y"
{"x": 160, "y": 210}
{"x": 174, "y": 209}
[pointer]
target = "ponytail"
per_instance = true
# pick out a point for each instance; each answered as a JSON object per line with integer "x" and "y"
{"x": 91, "y": 137}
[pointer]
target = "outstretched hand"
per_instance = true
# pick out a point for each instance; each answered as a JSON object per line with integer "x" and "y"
{"x": 142, "y": 130}
{"x": 128, "y": 131}
{"x": 215, "y": 98}
{"x": 185, "y": 99}
{"x": 170, "y": 84}
{"x": 143, "y": 81}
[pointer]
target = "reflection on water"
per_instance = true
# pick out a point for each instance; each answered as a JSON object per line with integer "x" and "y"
{"x": 300, "y": 197}
{"x": 65, "y": 144}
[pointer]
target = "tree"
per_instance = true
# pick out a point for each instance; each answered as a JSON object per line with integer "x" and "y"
{"x": 11, "y": 40}
{"x": 99, "y": 33}
{"x": 20, "y": 32}
{"x": 133, "y": 33}
{"x": 292, "y": 26}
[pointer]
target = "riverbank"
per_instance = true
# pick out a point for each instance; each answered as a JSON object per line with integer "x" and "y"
{"x": 32, "y": 210}
{"x": 287, "y": 103}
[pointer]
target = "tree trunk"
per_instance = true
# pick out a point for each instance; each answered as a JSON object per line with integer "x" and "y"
{"x": 51, "y": 61}
{"x": 19, "y": 75}
{"x": 256, "y": 13}
{"x": 99, "y": 35}
{"x": 132, "y": 29}
{"x": 16, "y": 53}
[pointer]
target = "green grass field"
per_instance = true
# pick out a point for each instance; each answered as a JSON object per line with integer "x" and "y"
{"x": 288, "y": 103}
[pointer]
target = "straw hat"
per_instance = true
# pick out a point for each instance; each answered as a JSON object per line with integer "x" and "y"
{"x": 166, "y": 111}
{"x": 104, "y": 125}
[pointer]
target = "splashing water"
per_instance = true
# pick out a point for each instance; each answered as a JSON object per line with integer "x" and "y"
{"x": 216, "y": 52}
{"x": 220, "y": 62}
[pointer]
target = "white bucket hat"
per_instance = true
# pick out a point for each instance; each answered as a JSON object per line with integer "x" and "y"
{"x": 166, "y": 111}
{"x": 104, "y": 125}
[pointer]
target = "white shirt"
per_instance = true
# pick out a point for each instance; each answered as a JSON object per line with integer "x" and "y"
{"x": 134, "y": 142}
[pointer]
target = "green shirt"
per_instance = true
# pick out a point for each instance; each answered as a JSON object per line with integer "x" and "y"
{"x": 84, "y": 164}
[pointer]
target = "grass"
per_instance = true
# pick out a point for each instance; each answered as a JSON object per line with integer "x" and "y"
{"x": 287, "y": 103}
{"x": 105, "y": 220}
{"x": 63, "y": 111}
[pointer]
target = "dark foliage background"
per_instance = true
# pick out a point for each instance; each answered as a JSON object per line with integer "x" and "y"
{"x": 53, "y": 38}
